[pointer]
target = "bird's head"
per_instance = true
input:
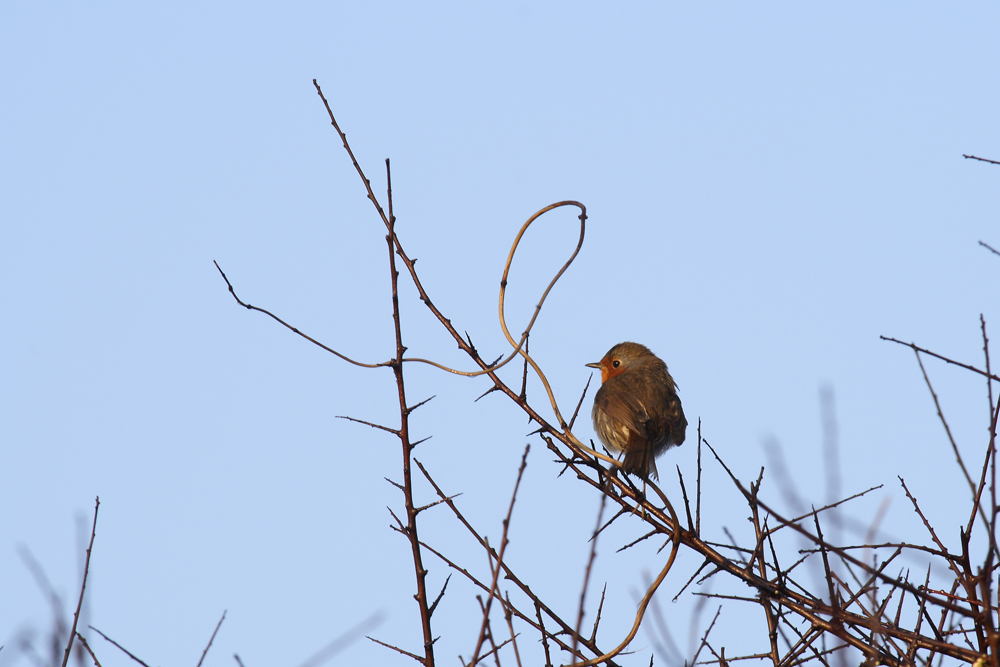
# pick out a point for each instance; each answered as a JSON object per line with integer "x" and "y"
{"x": 621, "y": 358}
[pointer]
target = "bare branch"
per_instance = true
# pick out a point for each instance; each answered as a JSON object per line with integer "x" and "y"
{"x": 917, "y": 348}
{"x": 981, "y": 159}
{"x": 503, "y": 548}
{"x": 289, "y": 326}
{"x": 83, "y": 640}
{"x": 378, "y": 426}
{"x": 122, "y": 648}
{"x": 83, "y": 584}
{"x": 211, "y": 639}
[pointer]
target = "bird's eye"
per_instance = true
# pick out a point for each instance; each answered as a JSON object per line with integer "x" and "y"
{"x": 616, "y": 363}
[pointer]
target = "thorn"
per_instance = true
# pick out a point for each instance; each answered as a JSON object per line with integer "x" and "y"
{"x": 488, "y": 391}
{"x": 411, "y": 409}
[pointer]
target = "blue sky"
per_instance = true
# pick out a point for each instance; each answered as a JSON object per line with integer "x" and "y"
{"x": 770, "y": 189}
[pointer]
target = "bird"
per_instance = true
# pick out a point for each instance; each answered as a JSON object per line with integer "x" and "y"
{"x": 637, "y": 410}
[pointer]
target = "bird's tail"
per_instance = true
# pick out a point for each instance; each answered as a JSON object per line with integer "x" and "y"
{"x": 640, "y": 461}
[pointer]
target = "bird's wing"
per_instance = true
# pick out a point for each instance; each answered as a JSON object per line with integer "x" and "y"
{"x": 625, "y": 409}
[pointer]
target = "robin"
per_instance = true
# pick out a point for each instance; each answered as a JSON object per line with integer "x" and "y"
{"x": 636, "y": 410}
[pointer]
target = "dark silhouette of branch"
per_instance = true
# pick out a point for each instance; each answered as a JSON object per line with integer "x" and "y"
{"x": 981, "y": 159}
{"x": 122, "y": 648}
{"x": 211, "y": 639}
{"x": 942, "y": 358}
{"x": 83, "y": 585}
{"x": 499, "y": 557}
{"x": 83, "y": 640}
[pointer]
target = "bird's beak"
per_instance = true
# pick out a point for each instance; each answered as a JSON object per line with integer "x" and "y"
{"x": 596, "y": 365}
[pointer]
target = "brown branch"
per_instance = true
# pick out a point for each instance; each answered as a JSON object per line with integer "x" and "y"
{"x": 981, "y": 159}
{"x": 538, "y": 308}
{"x": 586, "y": 573}
{"x": 930, "y": 529}
{"x": 597, "y": 618}
{"x": 758, "y": 557}
{"x": 684, "y": 494}
{"x": 853, "y": 629}
{"x": 848, "y": 558}
{"x": 509, "y": 574}
{"x": 652, "y": 589}
{"x": 990, "y": 454}
{"x": 697, "y": 514}
{"x": 582, "y": 396}
{"x": 83, "y": 641}
{"x": 545, "y": 634}
{"x": 508, "y": 615}
{"x": 83, "y": 585}
{"x": 420, "y": 572}
{"x": 917, "y": 348}
{"x": 540, "y": 606}
{"x": 122, "y": 648}
{"x": 503, "y": 548}
{"x": 704, "y": 637}
{"x": 290, "y": 327}
{"x": 944, "y": 422}
{"x": 378, "y": 426}
{"x": 397, "y": 649}
{"x": 211, "y": 639}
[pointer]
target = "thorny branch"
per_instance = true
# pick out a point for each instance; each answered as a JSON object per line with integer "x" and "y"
{"x": 799, "y": 622}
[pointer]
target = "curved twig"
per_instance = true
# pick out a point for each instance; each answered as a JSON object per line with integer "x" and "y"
{"x": 503, "y": 320}
{"x": 538, "y": 307}
{"x": 676, "y": 539}
{"x": 290, "y": 327}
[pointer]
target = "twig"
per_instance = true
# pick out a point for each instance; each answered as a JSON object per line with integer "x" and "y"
{"x": 597, "y": 618}
{"x": 289, "y": 326}
{"x": 508, "y": 615}
{"x": 397, "y": 649}
{"x": 697, "y": 513}
{"x": 509, "y": 574}
{"x": 545, "y": 635}
{"x": 441, "y": 594}
{"x": 582, "y": 396}
{"x": 366, "y": 423}
{"x": 917, "y": 348}
{"x": 684, "y": 494}
{"x": 947, "y": 429}
{"x": 981, "y": 159}
{"x": 83, "y": 585}
{"x": 122, "y": 648}
{"x": 758, "y": 557}
{"x": 990, "y": 248}
{"x": 211, "y": 639}
{"x": 704, "y": 637}
{"x": 503, "y": 548}
{"x": 652, "y": 589}
{"x": 83, "y": 640}
{"x": 586, "y": 573}
{"x": 420, "y": 572}
{"x": 538, "y": 308}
